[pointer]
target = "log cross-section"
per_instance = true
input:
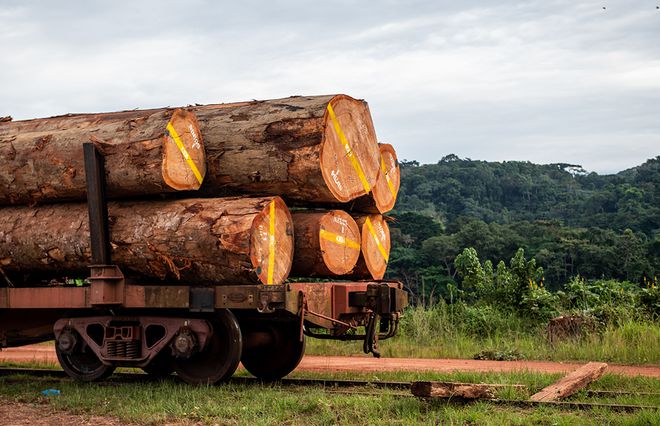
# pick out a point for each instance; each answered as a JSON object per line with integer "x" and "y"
{"x": 375, "y": 247}
{"x": 327, "y": 243}
{"x": 383, "y": 195}
{"x": 571, "y": 383}
{"x": 146, "y": 152}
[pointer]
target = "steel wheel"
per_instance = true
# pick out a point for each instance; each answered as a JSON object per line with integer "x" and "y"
{"x": 279, "y": 357}
{"x": 219, "y": 359}
{"x": 83, "y": 364}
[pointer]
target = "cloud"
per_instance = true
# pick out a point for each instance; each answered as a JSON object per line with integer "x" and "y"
{"x": 529, "y": 80}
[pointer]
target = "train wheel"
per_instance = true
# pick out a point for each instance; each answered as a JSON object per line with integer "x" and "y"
{"x": 280, "y": 356}
{"x": 219, "y": 359}
{"x": 83, "y": 364}
{"x": 161, "y": 366}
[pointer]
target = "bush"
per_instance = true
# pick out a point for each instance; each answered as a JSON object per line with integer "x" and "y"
{"x": 649, "y": 299}
{"x": 609, "y": 301}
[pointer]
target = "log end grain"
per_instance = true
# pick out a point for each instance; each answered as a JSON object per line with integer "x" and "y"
{"x": 327, "y": 243}
{"x": 184, "y": 160}
{"x": 387, "y": 184}
{"x": 349, "y": 155}
{"x": 271, "y": 242}
{"x": 339, "y": 237}
{"x": 375, "y": 242}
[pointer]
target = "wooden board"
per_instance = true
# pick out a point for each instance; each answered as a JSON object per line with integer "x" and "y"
{"x": 571, "y": 383}
{"x": 455, "y": 390}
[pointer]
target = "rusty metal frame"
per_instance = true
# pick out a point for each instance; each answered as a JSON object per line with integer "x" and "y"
{"x": 171, "y": 325}
{"x": 331, "y": 300}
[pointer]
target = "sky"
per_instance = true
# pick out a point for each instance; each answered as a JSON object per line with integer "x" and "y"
{"x": 542, "y": 81}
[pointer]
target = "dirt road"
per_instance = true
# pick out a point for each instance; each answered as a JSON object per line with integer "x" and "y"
{"x": 46, "y": 354}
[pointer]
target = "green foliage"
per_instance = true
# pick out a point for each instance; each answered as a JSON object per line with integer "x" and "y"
{"x": 609, "y": 301}
{"x": 571, "y": 222}
{"x": 517, "y": 288}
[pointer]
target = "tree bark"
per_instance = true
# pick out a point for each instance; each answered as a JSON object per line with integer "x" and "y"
{"x": 306, "y": 149}
{"x": 327, "y": 243}
{"x": 375, "y": 247}
{"x": 382, "y": 197}
{"x": 200, "y": 241}
{"x": 41, "y": 160}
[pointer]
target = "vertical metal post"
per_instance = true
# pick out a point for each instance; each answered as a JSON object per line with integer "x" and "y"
{"x": 97, "y": 205}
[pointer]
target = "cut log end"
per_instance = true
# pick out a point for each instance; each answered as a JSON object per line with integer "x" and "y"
{"x": 387, "y": 184}
{"x": 271, "y": 243}
{"x": 327, "y": 243}
{"x": 339, "y": 241}
{"x": 184, "y": 159}
{"x": 349, "y": 156}
{"x": 375, "y": 246}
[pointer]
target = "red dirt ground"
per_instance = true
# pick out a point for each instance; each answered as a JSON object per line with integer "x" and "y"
{"x": 46, "y": 354}
{"x": 23, "y": 413}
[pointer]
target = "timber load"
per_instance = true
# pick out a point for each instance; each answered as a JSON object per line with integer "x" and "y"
{"x": 192, "y": 241}
{"x": 146, "y": 152}
{"x": 318, "y": 149}
{"x": 205, "y": 160}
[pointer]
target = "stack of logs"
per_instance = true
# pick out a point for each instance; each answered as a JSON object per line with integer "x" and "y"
{"x": 201, "y": 195}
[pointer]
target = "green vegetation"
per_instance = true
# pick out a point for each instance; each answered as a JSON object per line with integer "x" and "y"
{"x": 571, "y": 222}
{"x": 439, "y": 332}
{"x": 173, "y": 402}
{"x": 502, "y": 313}
{"x": 594, "y": 243}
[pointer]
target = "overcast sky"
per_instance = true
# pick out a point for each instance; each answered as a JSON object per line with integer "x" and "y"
{"x": 545, "y": 81}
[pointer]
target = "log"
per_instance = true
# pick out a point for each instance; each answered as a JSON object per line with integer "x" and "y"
{"x": 571, "y": 383}
{"x": 454, "y": 390}
{"x": 193, "y": 241}
{"x": 319, "y": 149}
{"x": 375, "y": 247}
{"x": 384, "y": 193}
{"x": 327, "y": 243}
{"x": 146, "y": 152}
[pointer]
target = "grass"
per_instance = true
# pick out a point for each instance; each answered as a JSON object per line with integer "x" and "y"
{"x": 435, "y": 334}
{"x": 171, "y": 401}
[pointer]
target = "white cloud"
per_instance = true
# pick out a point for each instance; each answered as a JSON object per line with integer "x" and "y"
{"x": 510, "y": 80}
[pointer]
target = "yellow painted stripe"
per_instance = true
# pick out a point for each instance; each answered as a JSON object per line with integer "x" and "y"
{"x": 378, "y": 243}
{"x": 349, "y": 151}
{"x": 271, "y": 243}
{"x": 174, "y": 135}
{"x": 339, "y": 239}
{"x": 387, "y": 177}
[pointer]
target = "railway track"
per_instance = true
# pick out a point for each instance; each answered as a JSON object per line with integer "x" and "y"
{"x": 343, "y": 386}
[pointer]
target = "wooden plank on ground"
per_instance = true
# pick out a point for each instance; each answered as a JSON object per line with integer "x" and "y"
{"x": 452, "y": 389}
{"x": 571, "y": 383}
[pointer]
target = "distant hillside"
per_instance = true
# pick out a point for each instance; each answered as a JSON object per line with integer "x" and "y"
{"x": 512, "y": 191}
{"x": 571, "y": 221}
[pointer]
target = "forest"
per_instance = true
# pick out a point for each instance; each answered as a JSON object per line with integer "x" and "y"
{"x": 572, "y": 223}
